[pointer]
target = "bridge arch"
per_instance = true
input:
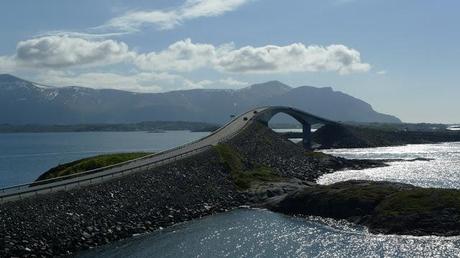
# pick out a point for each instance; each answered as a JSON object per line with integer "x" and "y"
{"x": 304, "y": 118}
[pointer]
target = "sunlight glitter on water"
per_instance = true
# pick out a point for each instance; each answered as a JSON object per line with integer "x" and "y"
{"x": 442, "y": 172}
{"x": 261, "y": 233}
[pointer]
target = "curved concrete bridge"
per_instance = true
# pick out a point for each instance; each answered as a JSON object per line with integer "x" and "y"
{"x": 229, "y": 130}
{"x": 306, "y": 119}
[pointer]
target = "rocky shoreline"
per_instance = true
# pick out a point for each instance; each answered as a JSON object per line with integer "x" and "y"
{"x": 349, "y": 136}
{"x": 383, "y": 207}
{"x": 258, "y": 168}
{"x": 65, "y": 222}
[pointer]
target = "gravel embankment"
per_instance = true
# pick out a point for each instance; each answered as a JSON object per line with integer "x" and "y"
{"x": 263, "y": 146}
{"x": 68, "y": 221}
{"x": 65, "y": 222}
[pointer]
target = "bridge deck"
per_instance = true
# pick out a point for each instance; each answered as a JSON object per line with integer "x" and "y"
{"x": 100, "y": 175}
{"x": 110, "y": 172}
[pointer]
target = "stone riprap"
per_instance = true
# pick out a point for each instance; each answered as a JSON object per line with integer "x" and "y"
{"x": 262, "y": 146}
{"x": 64, "y": 222}
{"x": 68, "y": 221}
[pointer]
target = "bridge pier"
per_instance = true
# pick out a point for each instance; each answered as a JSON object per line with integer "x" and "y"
{"x": 306, "y": 135}
{"x": 306, "y": 119}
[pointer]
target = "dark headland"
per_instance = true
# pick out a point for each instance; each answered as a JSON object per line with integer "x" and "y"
{"x": 380, "y": 135}
{"x": 257, "y": 167}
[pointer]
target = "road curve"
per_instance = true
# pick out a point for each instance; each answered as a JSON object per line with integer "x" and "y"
{"x": 99, "y": 175}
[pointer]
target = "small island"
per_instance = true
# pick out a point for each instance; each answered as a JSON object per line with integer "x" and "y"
{"x": 384, "y": 207}
{"x": 88, "y": 164}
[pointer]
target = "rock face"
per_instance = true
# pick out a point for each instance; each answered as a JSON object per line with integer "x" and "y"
{"x": 384, "y": 207}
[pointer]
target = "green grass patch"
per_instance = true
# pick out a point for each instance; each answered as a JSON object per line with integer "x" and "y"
{"x": 230, "y": 158}
{"x": 242, "y": 177}
{"x": 316, "y": 155}
{"x": 420, "y": 200}
{"x": 245, "y": 179}
{"x": 89, "y": 164}
{"x": 371, "y": 193}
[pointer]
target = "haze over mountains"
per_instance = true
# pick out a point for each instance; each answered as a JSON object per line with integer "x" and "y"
{"x": 24, "y": 102}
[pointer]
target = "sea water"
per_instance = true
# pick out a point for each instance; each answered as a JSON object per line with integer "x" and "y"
{"x": 261, "y": 233}
{"x": 25, "y": 156}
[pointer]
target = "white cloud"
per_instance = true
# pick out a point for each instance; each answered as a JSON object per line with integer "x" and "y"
{"x": 7, "y": 64}
{"x": 293, "y": 58}
{"x": 88, "y": 34}
{"x": 164, "y": 70}
{"x": 382, "y": 72}
{"x": 206, "y": 8}
{"x": 168, "y": 19}
{"x": 187, "y": 56}
{"x": 64, "y": 51}
{"x": 133, "y": 21}
{"x": 180, "y": 56}
{"x": 136, "y": 82}
{"x": 232, "y": 82}
{"x": 57, "y": 52}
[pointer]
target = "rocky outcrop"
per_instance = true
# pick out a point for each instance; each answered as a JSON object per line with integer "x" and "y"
{"x": 260, "y": 145}
{"x": 384, "y": 207}
{"x": 347, "y": 136}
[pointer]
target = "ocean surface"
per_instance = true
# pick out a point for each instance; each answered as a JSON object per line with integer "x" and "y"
{"x": 25, "y": 156}
{"x": 248, "y": 232}
{"x": 442, "y": 172}
{"x": 260, "y": 233}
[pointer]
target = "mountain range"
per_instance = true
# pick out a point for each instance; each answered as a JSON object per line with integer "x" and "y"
{"x": 25, "y": 102}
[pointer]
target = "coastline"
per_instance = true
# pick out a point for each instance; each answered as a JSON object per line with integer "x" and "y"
{"x": 66, "y": 222}
{"x": 63, "y": 223}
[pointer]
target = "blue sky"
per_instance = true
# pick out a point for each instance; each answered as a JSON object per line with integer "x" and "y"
{"x": 400, "y": 56}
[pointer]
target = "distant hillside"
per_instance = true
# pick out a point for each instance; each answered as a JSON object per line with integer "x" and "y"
{"x": 155, "y": 126}
{"x": 24, "y": 102}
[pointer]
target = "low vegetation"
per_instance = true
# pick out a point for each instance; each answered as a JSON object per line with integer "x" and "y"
{"x": 89, "y": 164}
{"x": 316, "y": 155}
{"x": 244, "y": 175}
{"x": 419, "y": 200}
{"x": 385, "y": 207}
{"x": 347, "y": 136}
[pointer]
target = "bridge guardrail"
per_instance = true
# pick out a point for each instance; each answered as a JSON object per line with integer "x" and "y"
{"x": 58, "y": 182}
{"x": 63, "y": 184}
{"x": 92, "y": 171}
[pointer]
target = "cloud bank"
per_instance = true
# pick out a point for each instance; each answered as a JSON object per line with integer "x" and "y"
{"x": 57, "y": 57}
{"x": 136, "y": 82}
{"x": 187, "y": 56}
{"x": 57, "y": 52}
{"x": 64, "y": 51}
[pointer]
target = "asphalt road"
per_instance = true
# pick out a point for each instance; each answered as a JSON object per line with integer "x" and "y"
{"x": 187, "y": 150}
